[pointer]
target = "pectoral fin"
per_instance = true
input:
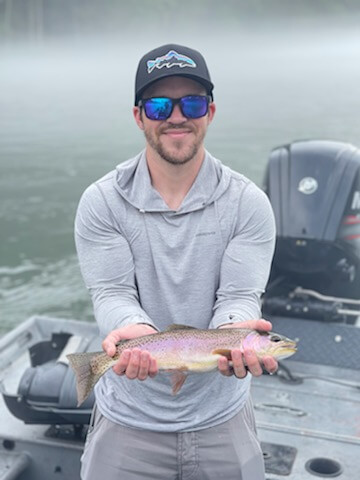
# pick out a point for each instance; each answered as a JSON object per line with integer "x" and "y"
{"x": 177, "y": 381}
{"x": 224, "y": 352}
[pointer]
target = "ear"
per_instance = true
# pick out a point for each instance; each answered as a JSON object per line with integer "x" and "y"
{"x": 211, "y": 112}
{"x": 137, "y": 116}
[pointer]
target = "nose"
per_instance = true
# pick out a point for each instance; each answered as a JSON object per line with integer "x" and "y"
{"x": 176, "y": 115}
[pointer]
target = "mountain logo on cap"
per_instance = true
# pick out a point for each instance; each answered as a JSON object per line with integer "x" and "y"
{"x": 169, "y": 60}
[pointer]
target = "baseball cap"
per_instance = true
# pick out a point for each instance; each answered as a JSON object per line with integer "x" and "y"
{"x": 171, "y": 60}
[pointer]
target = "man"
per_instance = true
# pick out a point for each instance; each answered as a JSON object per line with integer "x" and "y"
{"x": 174, "y": 236}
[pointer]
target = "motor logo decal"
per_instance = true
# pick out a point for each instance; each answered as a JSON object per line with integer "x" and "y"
{"x": 169, "y": 60}
{"x": 355, "y": 204}
{"x": 308, "y": 185}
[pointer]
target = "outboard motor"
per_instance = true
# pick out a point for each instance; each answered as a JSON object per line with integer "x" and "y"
{"x": 314, "y": 189}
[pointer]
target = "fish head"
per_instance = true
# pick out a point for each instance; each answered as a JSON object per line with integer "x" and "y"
{"x": 270, "y": 343}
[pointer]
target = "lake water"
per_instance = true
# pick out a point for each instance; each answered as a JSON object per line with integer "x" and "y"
{"x": 65, "y": 120}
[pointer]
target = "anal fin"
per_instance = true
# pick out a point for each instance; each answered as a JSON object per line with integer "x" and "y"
{"x": 177, "y": 381}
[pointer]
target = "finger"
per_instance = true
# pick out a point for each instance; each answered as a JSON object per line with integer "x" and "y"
{"x": 260, "y": 324}
{"x": 224, "y": 367}
{"x": 153, "y": 368}
{"x": 137, "y": 330}
{"x": 270, "y": 364}
{"x": 109, "y": 346}
{"x": 128, "y": 332}
{"x": 252, "y": 363}
{"x": 263, "y": 324}
{"x": 132, "y": 370}
{"x": 122, "y": 364}
{"x": 238, "y": 364}
{"x": 144, "y": 366}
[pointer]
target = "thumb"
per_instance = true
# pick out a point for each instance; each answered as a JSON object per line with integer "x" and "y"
{"x": 109, "y": 343}
{"x": 263, "y": 324}
{"x": 259, "y": 324}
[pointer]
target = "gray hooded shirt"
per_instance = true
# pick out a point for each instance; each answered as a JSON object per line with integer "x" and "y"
{"x": 204, "y": 265}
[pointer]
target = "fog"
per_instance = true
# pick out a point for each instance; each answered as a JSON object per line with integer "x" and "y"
{"x": 66, "y": 120}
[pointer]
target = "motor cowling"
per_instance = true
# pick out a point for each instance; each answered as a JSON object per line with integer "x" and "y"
{"x": 314, "y": 189}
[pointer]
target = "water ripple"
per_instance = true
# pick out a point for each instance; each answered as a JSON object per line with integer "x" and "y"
{"x": 55, "y": 289}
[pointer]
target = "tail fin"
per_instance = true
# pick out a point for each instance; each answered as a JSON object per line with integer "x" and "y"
{"x": 86, "y": 379}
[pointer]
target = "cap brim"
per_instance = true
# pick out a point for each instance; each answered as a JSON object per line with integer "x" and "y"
{"x": 209, "y": 86}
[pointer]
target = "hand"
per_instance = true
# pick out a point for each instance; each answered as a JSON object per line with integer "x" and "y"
{"x": 248, "y": 358}
{"x": 134, "y": 363}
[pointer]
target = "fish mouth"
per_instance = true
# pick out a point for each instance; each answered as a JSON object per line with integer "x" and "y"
{"x": 285, "y": 350}
{"x": 290, "y": 345}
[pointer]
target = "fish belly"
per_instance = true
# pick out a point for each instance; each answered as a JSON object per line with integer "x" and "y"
{"x": 197, "y": 364}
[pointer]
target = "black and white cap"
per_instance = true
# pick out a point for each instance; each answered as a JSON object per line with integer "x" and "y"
{"x": 171, "y": 60}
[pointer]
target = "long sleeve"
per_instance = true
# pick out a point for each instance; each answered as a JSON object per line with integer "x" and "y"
{"x": 246, "y": 261}
{"x": 143, "y": 262}
{"x": 106, "y": 264}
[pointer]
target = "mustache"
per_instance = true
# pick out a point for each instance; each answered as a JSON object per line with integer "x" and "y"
{"x": 177, "y": 126}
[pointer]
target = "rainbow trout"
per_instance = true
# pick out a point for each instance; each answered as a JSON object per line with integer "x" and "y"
{"x": 181, "y": 350}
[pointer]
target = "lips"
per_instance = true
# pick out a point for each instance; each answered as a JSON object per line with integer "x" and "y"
{"x": 176, "y": 132}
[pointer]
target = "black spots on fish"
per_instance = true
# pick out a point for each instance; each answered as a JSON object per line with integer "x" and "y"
{"x": 177, "y": 326}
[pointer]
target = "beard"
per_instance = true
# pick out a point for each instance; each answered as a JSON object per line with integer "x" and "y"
{"x": 177, "y": 153}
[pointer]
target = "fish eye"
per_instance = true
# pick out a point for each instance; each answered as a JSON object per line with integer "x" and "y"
{"x": 275, "y": 338}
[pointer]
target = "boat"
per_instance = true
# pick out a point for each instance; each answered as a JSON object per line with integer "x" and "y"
{"x": 307, "y": 414}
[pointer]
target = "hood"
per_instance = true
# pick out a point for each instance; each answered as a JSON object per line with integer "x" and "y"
{"x": 132, "y": 180}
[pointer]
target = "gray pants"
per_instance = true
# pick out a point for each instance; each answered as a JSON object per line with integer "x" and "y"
{"x": 228, "y": 451}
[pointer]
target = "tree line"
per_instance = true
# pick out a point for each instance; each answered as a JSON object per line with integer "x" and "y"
{"x": 39, "y": 19}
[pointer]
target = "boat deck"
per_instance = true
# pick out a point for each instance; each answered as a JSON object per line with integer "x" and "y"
{"x": 308, "y": 416}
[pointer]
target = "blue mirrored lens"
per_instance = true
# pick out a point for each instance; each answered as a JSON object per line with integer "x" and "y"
{"x": 158, "y": 108}
{"x": 194, "y": 106}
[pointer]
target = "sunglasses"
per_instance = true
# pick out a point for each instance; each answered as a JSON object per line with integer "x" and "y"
{"x": 161, "y": 108}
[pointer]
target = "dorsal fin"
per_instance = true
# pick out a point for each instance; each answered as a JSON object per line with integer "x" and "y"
{"x": 178, "y": 326}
